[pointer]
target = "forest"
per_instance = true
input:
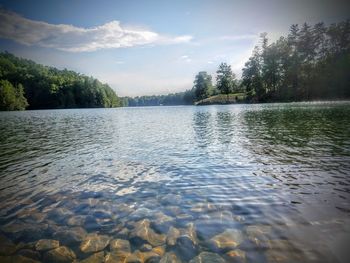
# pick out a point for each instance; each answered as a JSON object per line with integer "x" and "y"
{"x": 311, "y": 63}
{"x": 26, "y": 84}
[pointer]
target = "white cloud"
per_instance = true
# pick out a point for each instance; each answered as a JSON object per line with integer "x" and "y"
{"x": 185, "y": 58}
{"x": 77, "y": 39}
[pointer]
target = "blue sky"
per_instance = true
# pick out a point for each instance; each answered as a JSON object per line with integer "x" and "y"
{"x": 151, "y": 47}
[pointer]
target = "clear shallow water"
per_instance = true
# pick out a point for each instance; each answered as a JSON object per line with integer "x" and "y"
{"x": 275, "y": 177}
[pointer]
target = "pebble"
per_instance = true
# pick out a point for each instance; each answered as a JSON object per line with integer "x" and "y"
{"x": 46, "y": 244}
{"x": 94, "y": 243}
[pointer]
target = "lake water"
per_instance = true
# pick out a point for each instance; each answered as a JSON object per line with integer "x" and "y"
{"x": 246, "y": 183}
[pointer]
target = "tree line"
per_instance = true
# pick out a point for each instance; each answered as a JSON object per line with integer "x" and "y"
{"x": 311, "y": 63}
{"x": 26, "y": 84}
{"x": 180, "y": 98}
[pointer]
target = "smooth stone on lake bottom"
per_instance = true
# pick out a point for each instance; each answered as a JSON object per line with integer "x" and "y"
{"x": 76, "y": 221}
{"x": 172, "y": 236}
{"x": 230, "y": 238}
{"x": 17, "y": 259}
{"x": 29, "y": 253}
{"x": 59, "y": 255}
{"x": 115, "y": 258}
{"x": 46, "y": 244}
{"x": 170, "y": 257}
{"x": 160, "y": 250}
{"x": 95, "y": 258}
{"x": 94, "y": 243}
{"x": 120, "y": 246}
{"x": 189, "y": 232}
{"x": 237, "y": 255}
{"x": 143, "y": 230}
{"x": 140, "y": 213}
{"x": 6, "y": 246}
{"x": 258, "y": 234}
{"x": 146, "y": 247}
{"x": 149, "y": 256}
{"x": 71, "y": 235}
{"x": 207, "y": 257}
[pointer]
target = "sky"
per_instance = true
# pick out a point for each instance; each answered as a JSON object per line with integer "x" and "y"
{"x": 154, "y": 46}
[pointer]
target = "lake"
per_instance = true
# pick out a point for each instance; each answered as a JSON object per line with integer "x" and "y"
{"x": 231, "y": 183}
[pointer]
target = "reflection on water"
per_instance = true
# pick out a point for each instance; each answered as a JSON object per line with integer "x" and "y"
{"x": 233, "y": 183}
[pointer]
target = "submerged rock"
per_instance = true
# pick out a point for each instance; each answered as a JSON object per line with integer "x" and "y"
{"x": 29, "y": 253}
{"x": 170, "y": 257}
{"x": 46, "y": 244}
{"x": 173, "y": 210}
{"x": 237, "y": 255}
{"x": 6, "y": 246}
{"x": 159, "y": 250}
{"x": 186, "y": 243}
{"x": 149, "y": 256}
{"x": 173, "y": 235}
{"x": 95, "y": 258}
{"x": 133, "y": 258}
{"x": 207, "y": 257}
{"x": 258, "y": 234}
{"x": 186, "y": 248}
{"x": 70, "y": 236}
{"x": 124, "y": 210}
{"x": 189, "y": 232}
{"x": 59, "y": 255}
{"x": 184, "y": 217}
{"x": 124, "y": 233}
{"x": 146, "y": 247}
{"x": 283, "y": 251}
{"x": 161, "y": 218}
{"x": 59, "y": 214}
{"x": 203, "y": 207}
{"x": 221, "y": 216}
{"x": 25, "y": 231}
{"x": 113, "y": 258}
{"x": 76, "y": 221}
{"x": 141, "y": 213}
{"x": 143, "y": 230}
{"x": 171, "y": 199}
{"x": 231, "y": 238}
{"x": 120, "y": 246}
{"x": 94, "y": 243}
{"x": 17, "y": 259}
{"x": 91, "y": 224}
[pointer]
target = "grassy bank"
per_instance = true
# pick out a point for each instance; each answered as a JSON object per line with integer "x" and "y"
{"x": 223, "y": 99}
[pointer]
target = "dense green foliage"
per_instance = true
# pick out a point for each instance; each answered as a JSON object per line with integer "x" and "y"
{"x": 49, "y": 88}
{"x": 225, "y": 79}
{"x": 12, "y": 98}
{"x": 310, "y": 63}
{"x": 181, "y": 98}
{"x": 203, "y": 86}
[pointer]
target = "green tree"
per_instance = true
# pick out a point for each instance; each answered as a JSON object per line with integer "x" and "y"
{"x": 225, "y": 79}
{"x": 251, "y": 76}
{"x": 202, "y": 85}
{"x": 12, "y": 98}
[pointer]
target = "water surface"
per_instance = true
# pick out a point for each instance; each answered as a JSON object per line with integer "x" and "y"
{"x": 275, "y": 177}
